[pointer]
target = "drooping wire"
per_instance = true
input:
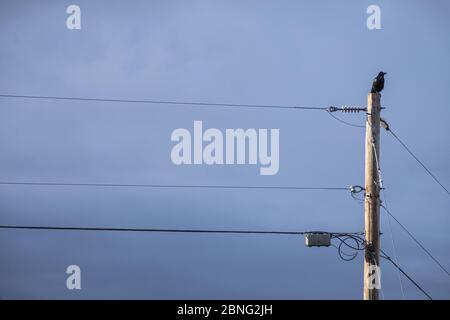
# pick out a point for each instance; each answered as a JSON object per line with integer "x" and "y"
{"x": 343, "y": 240}
{"x": 191, "y": 103}
{"x": 344, "y": 122}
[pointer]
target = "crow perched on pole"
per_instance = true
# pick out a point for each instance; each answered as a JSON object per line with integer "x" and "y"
{"x": 378, "y": 83}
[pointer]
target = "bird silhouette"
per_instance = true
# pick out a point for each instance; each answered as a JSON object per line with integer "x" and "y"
{"x": 378, "y": 83}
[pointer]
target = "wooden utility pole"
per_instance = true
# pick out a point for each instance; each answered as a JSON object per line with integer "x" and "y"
{"x": 372, "y": 199}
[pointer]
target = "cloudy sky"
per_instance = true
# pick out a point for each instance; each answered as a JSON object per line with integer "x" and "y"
{"x": 315, "y": 53}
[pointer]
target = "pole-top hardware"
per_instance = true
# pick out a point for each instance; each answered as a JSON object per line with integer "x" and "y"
{"x": 347, "y": 109}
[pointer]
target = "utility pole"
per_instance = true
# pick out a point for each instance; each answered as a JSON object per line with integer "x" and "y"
{"x": 372, "y": 199}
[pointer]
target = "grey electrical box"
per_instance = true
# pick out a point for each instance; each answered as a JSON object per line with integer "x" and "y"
{"x": 318, "y": 239}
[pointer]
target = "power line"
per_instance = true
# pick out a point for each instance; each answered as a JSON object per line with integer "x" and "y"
{"x": 417, "y": 159}
{"x": 401, "y": 142}
{"x": 395, "y": 263}
{"x": 416, "y": 241}
{"x": 211, "y": 186}
{"x": 28, "y": 183}
{"x": 381, "y": 187}
{"x": 151, "y": 230}
{"x": 345, "y": 122}
{"x": 361, "y": 244}
{"x": 385, "y": 256}
{"x": 394, "y": 249}
{"x": 336, "y": 234}
{"x": 192, "y": 103}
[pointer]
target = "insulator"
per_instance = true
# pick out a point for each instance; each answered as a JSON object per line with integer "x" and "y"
{"x": 346, "y": 109}
{"x": 352, "y": 109}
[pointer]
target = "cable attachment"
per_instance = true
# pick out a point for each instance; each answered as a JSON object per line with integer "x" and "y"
{"x": 370, "y": 253}
{"x": 347, "y": 109}
{"x": 384, "y": 124}
{"x": 356, "y": 189}
{"x": 332, "y": 109}
{"x": 352, "y": 242}
{"x": 352, "y": 109}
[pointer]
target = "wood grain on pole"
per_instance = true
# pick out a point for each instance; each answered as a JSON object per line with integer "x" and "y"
{"x": 372, "y": 198}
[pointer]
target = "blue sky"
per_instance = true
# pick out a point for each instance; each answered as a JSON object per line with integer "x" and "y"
{"x": 316, "y": 53}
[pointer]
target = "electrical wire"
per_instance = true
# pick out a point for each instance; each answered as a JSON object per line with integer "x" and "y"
{"x": 362, "y": 245}
{"x": 342, "y": 241}
{"x": 344, "y": 122}
{"x": 61, "y": 228}
{"x": 404, "y": 146}
{"x": 381, "y": 187}
{"x": 343, "y": 238}
{"x": 355, "y": 236}
{"x": 191, "y": 103}
{"x": 354, "y": 191}
{"x": 385, "y": 256}
{"x": 61, "y": 184}
{"x": 417, "y": 159}
{"x": 416, "y": 241}
{"x": 150, "y": 230}
{"x": 394, "y": 249}
{"x": 377, "y": 163}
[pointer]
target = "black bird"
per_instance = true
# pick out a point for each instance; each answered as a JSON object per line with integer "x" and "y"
{"x": 378, "y": 82}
